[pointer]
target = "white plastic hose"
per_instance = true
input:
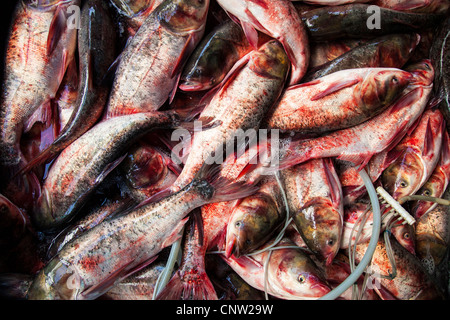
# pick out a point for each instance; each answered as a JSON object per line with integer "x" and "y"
{"x": 353, "y": 277}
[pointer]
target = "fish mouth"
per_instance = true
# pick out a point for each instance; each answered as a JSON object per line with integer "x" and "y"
{"x": 231, "y": 247}
{"x": 320, "y": 289}
{"x": 192, "y": 86}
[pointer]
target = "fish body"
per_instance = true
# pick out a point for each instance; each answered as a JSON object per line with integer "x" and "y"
{"x": 357, "y": 218}
{"x": 291, "y": 274}
{"x": 190, "y": 281}
{"x": 389, "y": 51}
{"x": 88, "y": 160}
{"x": 314, "y": 198}
{"x": 353, "y": 21}
{"x": 40, "y": 47}
{"x": 239, "y": 104}
{"x": 423, "y": 6}
{"x": 337, "y": 101}
{"x": 151, "y": 63}
{"x": 433, "y": 237}
{"x": 358, "y": 144}
{"x": 436, "y": 184}
{"x": 139, "y": 286}
{"x": 114, "y": 248}
{"x": 421, "y": 153}
{"x": 277, "y": 19}
{"x": 439, "y": 55}
{"x": 411, "y": 281}
{"x": 96, "y": 46}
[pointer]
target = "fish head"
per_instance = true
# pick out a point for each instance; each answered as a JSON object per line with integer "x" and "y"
{"x": 403, "y": 177}
{"x": 430, "y": 249}
{"x": 432, "y": 188}
{"x": 206, "y": 67}
{"x": 296, "y": 275}
{"x": 320, "y": 225}
{"x": 252, "y": 221}
{"x": 422, "y": 71}
{"x": 183, "y": 16}
{"x": 270, "y": 61}
{"x": 144, "y": 167}
{"x": 404, "y": 234}
{"x": 56, "y": 281}
{"x": 133, "y": 7}
{"x": 383, "y": 87}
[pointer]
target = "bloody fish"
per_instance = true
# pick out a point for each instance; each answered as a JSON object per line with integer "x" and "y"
{"x": 150, "y": 65}
{"x": 96, "y": 43}
{"x": 253, "y": 86}
{"x": 279, "y": 20}
{"x": 314, "y": 198}
{"x": 115, "y": 248}
{"x": 98, "y": 152}
{"x": 389, "y": 51}
{"x": 291, "y": 273}
{"x": 40, "y": 47}
{"x": 337, "y": 101}
{"x": 436, "y": 184}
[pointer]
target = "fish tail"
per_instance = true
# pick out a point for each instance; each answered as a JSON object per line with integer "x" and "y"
{"x": 14, "y": 286}
{"x": 220, "y": 188}
{"x": 189, "y": 285}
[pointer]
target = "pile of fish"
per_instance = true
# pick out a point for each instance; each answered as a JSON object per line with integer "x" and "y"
{"x": 215, "y": 149}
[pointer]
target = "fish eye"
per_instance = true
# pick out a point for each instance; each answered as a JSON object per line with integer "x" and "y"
{"x": 238, "y": 224}
{"x": 330, "y": 242}
{"x": 426, "y": 192}
{"x": 403, "y": 184}
{"x": 427, "y": 66}
{"x": 301, "y": 278}
{"x": 406, "y": 235}
{"x": 394, "y": 80}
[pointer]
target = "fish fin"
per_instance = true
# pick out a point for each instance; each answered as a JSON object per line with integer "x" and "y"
{"x": 230, "y": 245}
{"x": 260, "y": 3}
{"x": 391, "y": 157}
{"x": 445, "y": 149}
{"x": 333, "y": 181}
{"x": 244, "y": 262}
{"x": 110, "y": 74}
{"x": 175, "y": 234}
{"x": 226, "y": 80}
{"x": 407, "y": 5}
{"x": 184, "y": 55}
{"x": 57, "y": 26}
{"x": 108, "y": 168}
{"x": 188, "y": 285}
{"x": 43, "y": 114}
{"x": 335, "y": 87}
{"x": 120, "y": 274}
{"x": 428, "y": 141}
{"x": 255, "y": 22}
{"x": 224, "y": 189}
{"x": 251, "y": 34}
{"x": 406, "y": 99}
{"x": 305, "y": 84}
{"x": 360, "y": 160}
{"x": 174, "y": 89}
{"x": 383, "y": 293}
